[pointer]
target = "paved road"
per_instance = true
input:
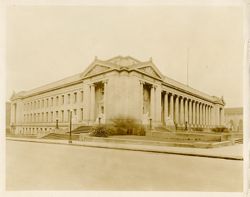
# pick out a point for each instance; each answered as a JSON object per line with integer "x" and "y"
{"x": 39, "y": 166}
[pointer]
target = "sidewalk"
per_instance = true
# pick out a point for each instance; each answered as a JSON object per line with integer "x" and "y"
{"x": 233, "y": 152}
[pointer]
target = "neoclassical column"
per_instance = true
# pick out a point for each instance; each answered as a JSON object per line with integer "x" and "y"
{"x": 152, "y": 103}
{"x": 176, "y": 119}
{"x": 201, "y": 115}
{"x": 194, "y": 113}
{"x": 165, "y": 105}
{"x": 190, "y": 112}
{"x": 141, "y": 98}
{"x": 171, "y": 110}
{"x": 181, "y": 110}
{"x": 209, "y": 116}
{"x": 186, "y": 111}
{"x": 158, "y": 103}
{"x": 207, "y": 124}
{"x": 198, "y": 113}
{"x": 105, "y": 99}
{"x": 204, "y": 115}
{"x": 92, "y": 102}
{"x": 212, "y": 120}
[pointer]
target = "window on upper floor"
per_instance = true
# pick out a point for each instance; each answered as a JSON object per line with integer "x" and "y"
{"x": 68, "y": 98}
{"x": 75, "y": 97}
{"x": 62, "y": 99}
{"x": 81, "y": 96}
{"x": 57, "y": 100}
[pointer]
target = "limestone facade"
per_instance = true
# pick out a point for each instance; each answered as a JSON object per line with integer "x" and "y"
{"x": 118, "y": 87}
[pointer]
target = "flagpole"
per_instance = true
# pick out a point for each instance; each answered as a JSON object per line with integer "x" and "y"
{"x": 187, "y": 65}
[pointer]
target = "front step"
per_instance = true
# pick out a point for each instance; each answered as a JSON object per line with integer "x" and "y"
{"x": 81, "y": 129}
{"x": 56, "y": 136}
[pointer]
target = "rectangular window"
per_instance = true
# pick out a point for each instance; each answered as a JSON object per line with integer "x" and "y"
{"x": 81, "y": 96}
{"x": 57, "y": 99}
{"x": 75, "y": 97}
{"x": 62, "y": 116}
{"x": 74, "y": 112}
{"x": 38, "y": 104}
{"x": 81, "y": 113}
{"x": 68, "y": 115}
{"x": 62, "y": 99}
{"x": 56, "y": 114}
{"x": 51, "y": 116}
{"x": 47, "y": 116}
{"x": 51, "y": 102}
{"x": 42, "y": 103}
{"x": 68, "y": 98}
{"x": 47, "y": 102}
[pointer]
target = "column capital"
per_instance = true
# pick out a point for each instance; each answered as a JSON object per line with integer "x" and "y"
{"x": 105, "y": 81}
{"x": 142, "y": 82}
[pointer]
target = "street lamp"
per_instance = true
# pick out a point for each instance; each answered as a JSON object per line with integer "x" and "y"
{"x": 70, "y": 125}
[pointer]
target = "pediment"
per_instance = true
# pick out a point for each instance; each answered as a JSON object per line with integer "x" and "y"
{"x": 97, "y": 69}
{"x": 150, "y": 71}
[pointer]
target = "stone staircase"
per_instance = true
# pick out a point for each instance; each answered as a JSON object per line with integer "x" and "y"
{"x": 56, "y": 136}
{"x": 81, "y": 129}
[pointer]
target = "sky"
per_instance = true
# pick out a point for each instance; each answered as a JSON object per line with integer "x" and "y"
{"x": 48, "y": 43}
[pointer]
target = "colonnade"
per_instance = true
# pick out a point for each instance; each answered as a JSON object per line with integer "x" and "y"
{"x": 180, "y": 108}
{"x": 187, "y": 110}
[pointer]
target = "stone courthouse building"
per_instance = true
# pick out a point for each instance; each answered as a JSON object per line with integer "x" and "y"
{"x": 107, "y": 89}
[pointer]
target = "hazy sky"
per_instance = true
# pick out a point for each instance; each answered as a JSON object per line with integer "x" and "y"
{"x": 45, "y": 44}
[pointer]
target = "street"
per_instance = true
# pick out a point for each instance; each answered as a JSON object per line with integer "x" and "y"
{"x": 40, "y": 166}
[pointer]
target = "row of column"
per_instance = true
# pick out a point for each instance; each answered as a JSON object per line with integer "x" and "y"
{"x": 185, "y": 110}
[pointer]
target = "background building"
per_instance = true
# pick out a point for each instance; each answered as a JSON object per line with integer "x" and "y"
{"x": 118, "y": 87}
{"x": 234, "y": 118}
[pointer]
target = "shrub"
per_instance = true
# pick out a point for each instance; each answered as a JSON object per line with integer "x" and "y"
{"x": 99, "y": 131}
{"x": 126, "y": 126}
{"x": 119, "y": 126}
{"x": 198, "y": 129}
{"x": 220, "y": 129}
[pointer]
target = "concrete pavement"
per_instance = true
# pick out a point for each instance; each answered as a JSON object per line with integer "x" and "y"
{"x": 44, "y": 166}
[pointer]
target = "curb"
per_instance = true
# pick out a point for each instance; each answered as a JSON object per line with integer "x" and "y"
{"x": 142, "y": 149}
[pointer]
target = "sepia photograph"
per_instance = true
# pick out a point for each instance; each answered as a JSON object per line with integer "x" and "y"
{"x": 125, "y": 97}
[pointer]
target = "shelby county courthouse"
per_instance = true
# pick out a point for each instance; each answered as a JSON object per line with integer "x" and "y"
{"x": 118, "y": 87}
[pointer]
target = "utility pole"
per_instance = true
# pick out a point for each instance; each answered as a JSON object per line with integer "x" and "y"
{"x": 187, "y": 65}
